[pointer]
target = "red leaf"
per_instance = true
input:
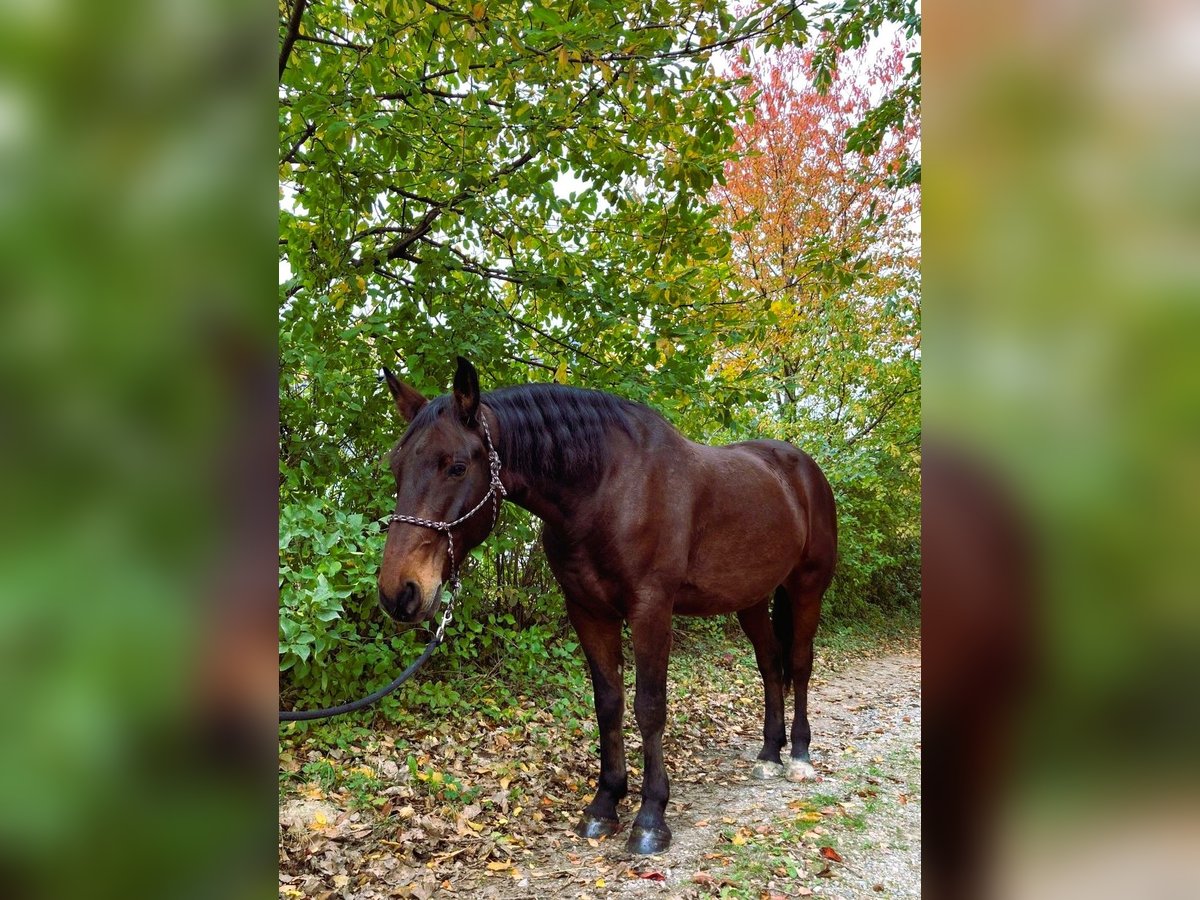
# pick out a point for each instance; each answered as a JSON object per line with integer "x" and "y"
{"x": 831, "y": 854}
{"x": 649, "y": 876}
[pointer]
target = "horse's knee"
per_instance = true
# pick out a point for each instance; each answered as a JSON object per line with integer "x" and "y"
{"x": 609, "y": 706}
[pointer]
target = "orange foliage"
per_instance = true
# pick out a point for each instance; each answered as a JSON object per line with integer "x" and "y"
{"x": 825, "y": 243}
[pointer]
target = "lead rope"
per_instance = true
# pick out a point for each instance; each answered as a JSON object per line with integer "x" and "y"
{"x": 496, "y": 493}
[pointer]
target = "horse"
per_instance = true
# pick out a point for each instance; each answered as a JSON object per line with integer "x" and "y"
{"x": 640, "y": 524}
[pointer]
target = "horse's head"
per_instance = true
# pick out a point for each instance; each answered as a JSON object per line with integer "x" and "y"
{"x": 441, "y": 470}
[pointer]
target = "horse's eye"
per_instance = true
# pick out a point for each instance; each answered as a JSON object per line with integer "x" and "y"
{"x": 458, "y": 469}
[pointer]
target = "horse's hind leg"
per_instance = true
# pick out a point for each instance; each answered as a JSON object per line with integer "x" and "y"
{"x": 601, "y": 642}
{"x": 756, "y": 622}
{"x": 805, "y": 588}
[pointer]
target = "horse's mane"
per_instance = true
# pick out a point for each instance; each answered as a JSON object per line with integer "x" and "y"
{"x": 559, "y": 432}
{"x": 551, "y": 430}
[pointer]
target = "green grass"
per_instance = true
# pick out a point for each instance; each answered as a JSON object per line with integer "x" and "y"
{"x": 753, "y": 859}
{"x": 779, "y": 854}
{"x": 562, "y": 687}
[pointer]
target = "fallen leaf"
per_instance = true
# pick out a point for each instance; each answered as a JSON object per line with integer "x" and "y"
{"x": 831, "y": 854}
{"x": 648, "y": 876}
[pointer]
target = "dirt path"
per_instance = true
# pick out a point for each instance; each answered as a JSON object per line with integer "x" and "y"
{"x": 854, "y": 832}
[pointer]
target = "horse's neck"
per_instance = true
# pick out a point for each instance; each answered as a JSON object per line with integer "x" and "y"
{"x": 545, "y": 500}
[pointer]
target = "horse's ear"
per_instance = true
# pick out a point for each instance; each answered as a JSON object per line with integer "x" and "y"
{"x": 466, "y": 392}
{"x": 408, "y": 399}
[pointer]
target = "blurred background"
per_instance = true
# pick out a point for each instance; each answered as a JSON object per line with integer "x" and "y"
{"x": 1062, "y": 496}
{"x": 137, "y": 220}
{"x": 138, "y": 201}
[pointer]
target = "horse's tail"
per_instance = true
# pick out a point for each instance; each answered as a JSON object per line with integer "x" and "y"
{"x": 781, "y": 618}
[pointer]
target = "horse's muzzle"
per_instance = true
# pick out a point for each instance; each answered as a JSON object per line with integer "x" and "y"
{"x": 405, "y": 605}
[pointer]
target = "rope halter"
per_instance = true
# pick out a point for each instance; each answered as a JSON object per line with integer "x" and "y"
{"x": 495, "y": 493}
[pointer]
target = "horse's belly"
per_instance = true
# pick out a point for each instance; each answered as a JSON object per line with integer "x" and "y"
{"x": 736, "y": 571}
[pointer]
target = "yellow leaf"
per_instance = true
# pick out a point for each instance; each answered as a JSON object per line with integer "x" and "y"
{"x": 599, "y": 882}
{"x": 560, "y": 374}
{"x": 563, "y": 59}
{"x": 499, "y": 866}
{"x": 478, "y": 12}
{"x": 504, "y": 783}
{"x": 739, "y": 839}
{"x": 436, "y": 777}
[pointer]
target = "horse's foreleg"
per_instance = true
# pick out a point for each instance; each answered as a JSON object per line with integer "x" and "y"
{"x": 651, "y": 652}
{"x": 601, "y": 642}
{"x": 756, "y": 622}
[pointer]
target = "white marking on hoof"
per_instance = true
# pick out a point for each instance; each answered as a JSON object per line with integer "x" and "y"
{"x": 765, "y": 769}
{"x": 799, "y": 770}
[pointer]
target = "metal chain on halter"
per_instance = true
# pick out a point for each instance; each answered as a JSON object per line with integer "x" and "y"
{"x": 495, "y": 493}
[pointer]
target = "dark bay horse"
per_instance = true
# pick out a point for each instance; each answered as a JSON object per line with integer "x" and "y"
{"x": 640, "y": 524}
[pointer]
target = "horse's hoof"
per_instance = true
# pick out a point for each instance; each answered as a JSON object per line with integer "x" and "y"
{"x": 800, "y": 770}
{"x": 643, "y": 841}
{"x": 765, "y": 769}
{"x": 595, "y": 827}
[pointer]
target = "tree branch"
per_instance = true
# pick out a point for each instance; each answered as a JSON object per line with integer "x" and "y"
{"x": 293, "y": 32}
{"x": 883, "y": 411}
{"x": 308, "y": 132}
{"x": 347, "y": 45}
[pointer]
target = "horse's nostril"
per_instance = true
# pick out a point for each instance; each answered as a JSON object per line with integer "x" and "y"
{"x": 389, "y": 606}
{"x": 410, "y": 598}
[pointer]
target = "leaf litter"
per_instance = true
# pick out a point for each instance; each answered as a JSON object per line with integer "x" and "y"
{"x": 483, "y": 808}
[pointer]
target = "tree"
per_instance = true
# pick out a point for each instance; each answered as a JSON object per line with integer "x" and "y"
{"x": 526, "y": 185}
{"x": 529, "y": 185}
{"x": 826, "y": 293}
